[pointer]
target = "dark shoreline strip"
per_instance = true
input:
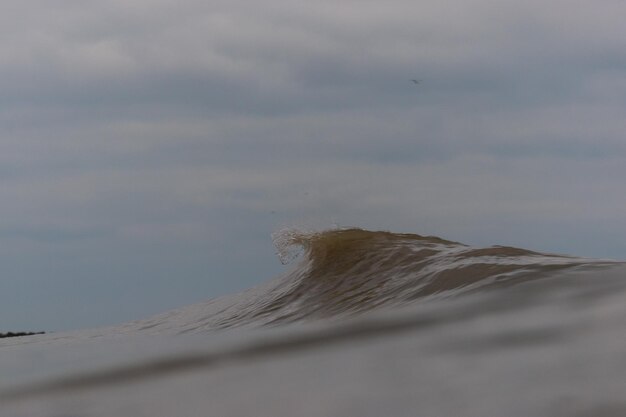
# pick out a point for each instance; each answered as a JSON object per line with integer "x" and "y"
{"x": 19, "y": 334}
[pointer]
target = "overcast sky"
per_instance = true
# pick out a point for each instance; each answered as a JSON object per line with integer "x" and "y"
{"x": 148, "y": 149}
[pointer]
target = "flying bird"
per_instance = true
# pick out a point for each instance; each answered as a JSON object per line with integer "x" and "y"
{"x": 416, "y": 81}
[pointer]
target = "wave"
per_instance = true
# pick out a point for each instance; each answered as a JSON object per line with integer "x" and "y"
{"x": 338, "y": 274}
{"x": 345, "y": 272}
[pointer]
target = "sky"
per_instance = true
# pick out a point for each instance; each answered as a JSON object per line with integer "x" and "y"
{"x": 149, "y": 149}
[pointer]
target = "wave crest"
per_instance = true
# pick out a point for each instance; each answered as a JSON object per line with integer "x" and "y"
{"x": 348, "y": 271}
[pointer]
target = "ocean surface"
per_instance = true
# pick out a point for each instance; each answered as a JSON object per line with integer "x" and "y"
{"x": 362, "y": 324}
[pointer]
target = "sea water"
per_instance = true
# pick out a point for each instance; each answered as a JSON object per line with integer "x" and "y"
{"x": 365, "y": 324}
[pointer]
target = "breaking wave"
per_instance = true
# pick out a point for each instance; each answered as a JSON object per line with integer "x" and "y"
{"x": 350, "y": 271}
